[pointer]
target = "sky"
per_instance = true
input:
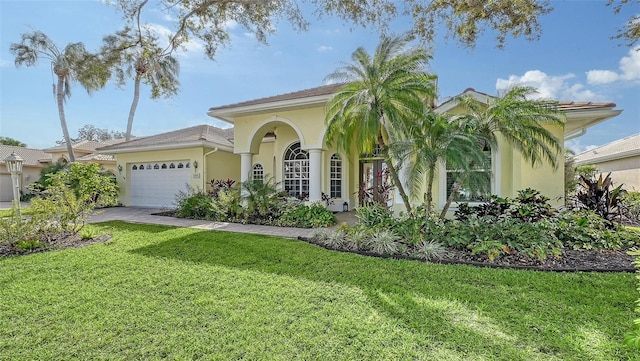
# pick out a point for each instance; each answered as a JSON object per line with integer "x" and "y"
{"x": 574, "y": 60}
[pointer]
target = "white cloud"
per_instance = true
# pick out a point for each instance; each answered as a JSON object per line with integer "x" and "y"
{"x": 577, "y": 147}
{"x": 628, "y": 70}
{"x": 324, "y": 48}
{"x": 164, "y": 34}
{"x": 558, "y": 87}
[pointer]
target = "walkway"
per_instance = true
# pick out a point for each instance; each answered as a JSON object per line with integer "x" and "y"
{"x": 145, "y": 215}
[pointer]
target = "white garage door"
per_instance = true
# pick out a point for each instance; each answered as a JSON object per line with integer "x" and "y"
{"x": 156, "y": 184}
{"x": 6, "y": 188}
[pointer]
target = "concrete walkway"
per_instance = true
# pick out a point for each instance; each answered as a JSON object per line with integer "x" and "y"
{"x": 145, "y": 215}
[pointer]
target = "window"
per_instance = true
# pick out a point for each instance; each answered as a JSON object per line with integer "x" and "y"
{"x": 481, "y": 181}
{"x": 296, "y": 171}
{"x": 335, "y": 177}
{"x": 258, "y": 173}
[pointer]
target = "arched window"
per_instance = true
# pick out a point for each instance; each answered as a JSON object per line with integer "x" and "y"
{"x": 258, "y": 173}
{"x": 475, "y": 187}
{"x": 156, "y": 166}
{"x": 296, "y": 171}
{"x": 335, "y": 176}
{"x": 135, "y": 167}
{"x": 164, "y": 166}
{"x": 172, "y": 166}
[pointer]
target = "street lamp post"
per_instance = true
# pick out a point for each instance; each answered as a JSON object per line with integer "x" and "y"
{"x": 14, "y": 166}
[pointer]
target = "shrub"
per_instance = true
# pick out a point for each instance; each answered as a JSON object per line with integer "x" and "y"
{"x": 196, "y": 205}
{"x": 306, "y": 216}
{"x": 631, "y": 204}
{"x": 599, "y": 196}
{"x": 375, "y": 216}
{"x": 384, "y": 242}
{"x": 584, "y": 229}
{"x": 430, "y": 250}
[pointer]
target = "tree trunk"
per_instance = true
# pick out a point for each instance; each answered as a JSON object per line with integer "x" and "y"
{"x": 454, "y": 191}
{"x": 394, "y": 174}
{"x": 430, "y": 176}
{"x": 63, "y": 120}
{"x": 134, "y": 105}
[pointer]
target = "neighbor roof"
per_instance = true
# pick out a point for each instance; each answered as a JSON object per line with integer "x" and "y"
{"x": 199, "y": 135}
{"x": 87, "y": 146}
{"x": 618, "y": 149}
{"x": 31, "y": 157}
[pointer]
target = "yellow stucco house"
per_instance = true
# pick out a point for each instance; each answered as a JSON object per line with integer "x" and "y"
{"x": 33, "y": 161}
{"x": 283, "y": 137}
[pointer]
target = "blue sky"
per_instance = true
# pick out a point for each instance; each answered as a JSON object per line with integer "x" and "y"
{"x": 575, "y": 59}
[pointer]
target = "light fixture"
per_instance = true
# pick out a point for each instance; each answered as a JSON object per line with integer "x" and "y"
{"x": 120, "y": 168}
{"x": 14, "y": 166}
{"x": 345, "y": 207}
{"x": 195, "y": 164}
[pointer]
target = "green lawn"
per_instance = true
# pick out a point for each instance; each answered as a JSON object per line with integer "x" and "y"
{"x": 156, "y": 292}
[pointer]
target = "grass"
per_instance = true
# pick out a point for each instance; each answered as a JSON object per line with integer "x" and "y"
{"x": 9, "y": 212}
{"x": 156, "y": 292}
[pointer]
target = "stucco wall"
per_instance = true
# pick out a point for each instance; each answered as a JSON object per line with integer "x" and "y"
{"x": 623, "y": 171}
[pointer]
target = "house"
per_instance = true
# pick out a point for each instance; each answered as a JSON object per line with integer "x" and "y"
{"x": 33, "y": 161}
{"x": 620, "y": 157}
{"x": 283, "y": 137}
{"x": 85, "y": 152}
{"x": 152, "y": 170}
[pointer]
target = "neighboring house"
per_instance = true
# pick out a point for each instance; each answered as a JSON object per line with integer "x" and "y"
{"x": 152, "y": 170}
{"x": 298, "y": 156}
{"x": 85, "y": 152}
{"x": 620, "y": 157}
{"x": 33, "y": 161}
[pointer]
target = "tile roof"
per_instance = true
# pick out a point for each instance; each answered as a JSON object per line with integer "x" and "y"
{"x": 96, "y": 157}
{"x": 32, "y": 157}
{"x": 306, "y": 93}
{"x": 617, "y": 149}
{"x": 87, "y": 146}
{"x": 198, "y": 133}
{"x": 332, "y": 88}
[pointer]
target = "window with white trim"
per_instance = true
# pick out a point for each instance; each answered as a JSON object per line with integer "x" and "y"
{"x": 481, "y": 190}
{"x": 258, "y": 173}
{"x": 335, "y": 176}
{"x": 296, "y": 171}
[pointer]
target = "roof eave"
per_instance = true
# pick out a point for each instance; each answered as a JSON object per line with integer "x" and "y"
{"x": 228, "y": 114}
{"x": 606, "y": 158}
{"x": 192, "y": 144}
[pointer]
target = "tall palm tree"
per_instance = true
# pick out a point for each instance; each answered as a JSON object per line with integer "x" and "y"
{"x": 438, "y": 137}
{"x": 382, "y": 93}
{"x": 145, "y": 62}
{"x": 71, "y": 64}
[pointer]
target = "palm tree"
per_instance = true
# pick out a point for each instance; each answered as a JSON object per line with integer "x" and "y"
{"x": 73, "y": 63}
{"x": 438, "y": 137}
{"x": 382, "y": 93}
{"x": 144, "y": 61}
{"x": 520, "y": 121}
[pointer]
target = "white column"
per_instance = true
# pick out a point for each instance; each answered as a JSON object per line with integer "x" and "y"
{"x": 246, "y": 162}
{"x": 315, "y": 175}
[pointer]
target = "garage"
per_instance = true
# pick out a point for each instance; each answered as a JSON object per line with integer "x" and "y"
{"x": 156, "y": 184}
{"x": 6, "y": 189}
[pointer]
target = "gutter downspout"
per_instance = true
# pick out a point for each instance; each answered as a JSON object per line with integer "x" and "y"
{"x": 204, "y": 167}
{"x": 574, "y": 135}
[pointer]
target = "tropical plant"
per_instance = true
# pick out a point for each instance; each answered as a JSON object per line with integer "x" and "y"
{"x": 519, "y": 121}
{"x": 382, "y": 93}
{"x": 262, "y": 199}
{"x": 431, "y": 138}
{"x": 600, "y": 196}
{"x": 71, "y": 64}
{"x": 137, "y": 55}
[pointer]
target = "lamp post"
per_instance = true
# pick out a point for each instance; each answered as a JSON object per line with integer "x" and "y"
{"x": 14, "y": 166}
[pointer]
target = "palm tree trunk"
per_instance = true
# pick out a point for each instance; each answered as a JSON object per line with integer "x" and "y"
{"x": 454, "y": 191}
{"x": 394, "y": 173}
{"x": 134, "y": 105}
{"x": 430, "y": 176}
{"x": 63, "y": 120}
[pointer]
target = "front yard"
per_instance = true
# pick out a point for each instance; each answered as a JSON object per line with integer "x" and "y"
{"x": 155, "y": 292}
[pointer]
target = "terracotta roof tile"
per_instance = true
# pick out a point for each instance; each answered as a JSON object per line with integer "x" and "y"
{"x": 88, "y": 146}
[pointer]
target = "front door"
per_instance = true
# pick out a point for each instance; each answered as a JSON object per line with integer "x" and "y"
{"x": 374, "y": 182}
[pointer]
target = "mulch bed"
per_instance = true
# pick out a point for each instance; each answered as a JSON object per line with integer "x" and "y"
{"x": 570, "y": 261}
{"x": 75, "y": 241}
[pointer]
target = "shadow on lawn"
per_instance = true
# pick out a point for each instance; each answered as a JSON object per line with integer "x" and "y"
{"x": 430, "y": 299}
